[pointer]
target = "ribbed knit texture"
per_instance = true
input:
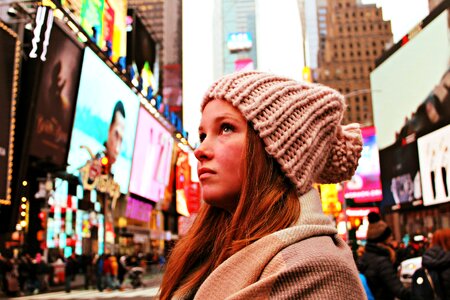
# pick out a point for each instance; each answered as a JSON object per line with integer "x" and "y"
{"x": 282, "y": 265}
{"x": 298, "y": 122}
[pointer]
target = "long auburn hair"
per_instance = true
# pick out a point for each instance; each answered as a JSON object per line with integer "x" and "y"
{"x": 268, "y": 202}
{"x": 441, "y": 238}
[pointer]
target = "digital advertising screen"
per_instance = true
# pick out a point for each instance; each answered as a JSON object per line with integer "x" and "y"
{"x": 105, "y": 120}
{"x": 365, "y": 185}
{"x": 419, "y": 107}
{"x": 152, "y": 158}
{"x": 56, "y": 95}
{"x": 417, "y": 86}
{"x": 138, "y": 210}
{"x": 9, "y": 66}
{"x": 91, "y": 16}
{"x": 434, "y": 157}
{"x": 400, "y": 177}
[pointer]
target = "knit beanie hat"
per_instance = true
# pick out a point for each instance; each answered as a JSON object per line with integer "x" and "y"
{"x": 299, "y": 123}
{"x": 378, "y": 230}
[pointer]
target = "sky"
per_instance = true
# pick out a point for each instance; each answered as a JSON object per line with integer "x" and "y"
{"x": 198, "y": 50}
{"x": 403, "y": 14}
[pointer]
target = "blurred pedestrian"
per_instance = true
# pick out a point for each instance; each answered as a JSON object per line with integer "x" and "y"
{"x": 122, "y": 270}
{"x": 99, "y": 274}
{"x": 436, "y": 260}
{"x": 377, "y": 262}
{"x": 107, "y": 272}
{"x": 71, "y": 269}
{"x": 114, "y": 272}
{"x": 262, "y": 233}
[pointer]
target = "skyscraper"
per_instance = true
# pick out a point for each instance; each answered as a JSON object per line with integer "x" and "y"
{"x": 351, "y": 37}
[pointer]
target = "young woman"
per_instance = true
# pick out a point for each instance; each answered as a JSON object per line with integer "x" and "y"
{"x": 436, "y": 260}
{"x": 261, "y": 232}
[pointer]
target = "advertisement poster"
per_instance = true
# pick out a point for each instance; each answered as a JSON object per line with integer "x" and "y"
{"x": 105, "y": 120}
{"x": 152, "y": 157}
{"x": 400, "y": 180}
{"x": 138, "y": 210}
{"x": 365, "y": 185}
{"x": 56, "y": 96}
{"x": 434, "y": 157}
{"x": 419, "y": 108}
{"x": 8, "y": 55}
{"x": 92, "y": 19}
{"x": 405, "y": 111}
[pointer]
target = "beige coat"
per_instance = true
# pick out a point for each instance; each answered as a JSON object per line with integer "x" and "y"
{"x": 306, "y": 261}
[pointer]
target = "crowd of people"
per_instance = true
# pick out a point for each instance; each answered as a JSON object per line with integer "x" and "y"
{"x": 379, "y": 259}
{"x": 26, "y": 274}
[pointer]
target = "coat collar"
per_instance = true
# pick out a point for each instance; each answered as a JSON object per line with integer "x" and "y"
{"x": 234, "y": 275}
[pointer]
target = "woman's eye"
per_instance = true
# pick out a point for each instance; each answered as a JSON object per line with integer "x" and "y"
{"x": 226, "y": 128}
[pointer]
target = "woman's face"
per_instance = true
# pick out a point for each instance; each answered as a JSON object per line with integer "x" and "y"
{"x": 223, "y": 132}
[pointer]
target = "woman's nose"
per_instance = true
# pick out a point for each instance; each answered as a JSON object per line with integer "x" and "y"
{"x": 203, "y": 151}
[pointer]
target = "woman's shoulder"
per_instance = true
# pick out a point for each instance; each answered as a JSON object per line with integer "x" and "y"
{"x": 317, "y": 251}
{"x": 319, "y": 267}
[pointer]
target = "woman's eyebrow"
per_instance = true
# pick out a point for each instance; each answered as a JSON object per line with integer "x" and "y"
{"x": 221, "y": 118}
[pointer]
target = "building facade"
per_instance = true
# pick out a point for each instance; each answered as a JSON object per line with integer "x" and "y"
{"x": 351, "y": 37}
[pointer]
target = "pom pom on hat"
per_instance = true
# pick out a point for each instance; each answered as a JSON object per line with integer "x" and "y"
{"x": 378, "y": 230}
{"x": 299, "y": 122}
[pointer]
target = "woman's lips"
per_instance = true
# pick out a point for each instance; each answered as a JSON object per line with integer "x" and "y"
{"x": 205, "y": 173}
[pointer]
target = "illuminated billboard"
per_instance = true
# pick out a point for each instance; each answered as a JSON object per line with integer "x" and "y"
{"x": 411, "y": 99}
{"x": 105, "y": 120}
{"x": 9, "y": 68}
{"x": 365, "y": 185}
{"x": 239, "y": 41}
{"x": 152, "y": 158}
{"x": 434, "y": 157}
{"x": 56, "y": 93}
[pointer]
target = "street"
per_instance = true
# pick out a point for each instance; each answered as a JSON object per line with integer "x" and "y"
{"x": 140, "y": 293}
